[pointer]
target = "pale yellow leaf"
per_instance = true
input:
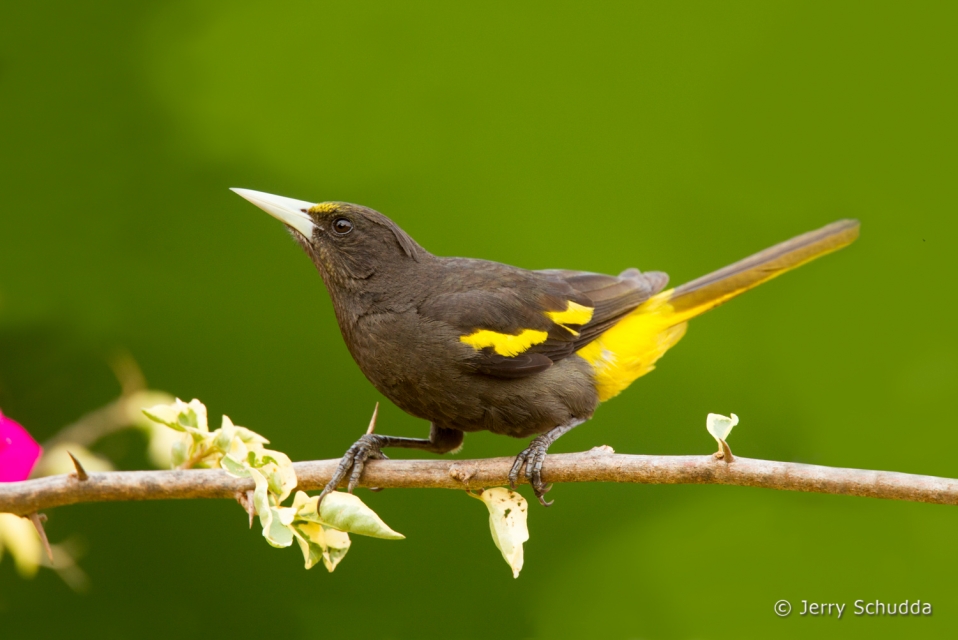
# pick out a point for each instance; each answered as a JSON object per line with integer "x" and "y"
{"x": 508, "y": 512}
{"x": 321, "y": 543}
{"x": 720, "y": 426}
{"x": 346, "y": 512}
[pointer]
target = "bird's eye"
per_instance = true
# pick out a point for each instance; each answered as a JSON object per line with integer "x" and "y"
{"x": 342, "y": 226}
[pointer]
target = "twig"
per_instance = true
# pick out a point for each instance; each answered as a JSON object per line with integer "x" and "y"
{"x": 94, "y": 425}
{"x": 37, "y": 520}
{"x": 598, "y": 465}
{"x": 127, "y": 372}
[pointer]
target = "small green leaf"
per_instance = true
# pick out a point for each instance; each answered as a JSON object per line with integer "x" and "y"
{"x": 179, "y": 415}
{"x": 234, "y": 468}
{"x": 223, "y": 439}
{"x": 240, "y": 453}
{"x": 285, "y": 475}
{"x": 188, "y": 420}
{"x": 278, "y": 533}
{"x": 249, "y": 436}
{"x": 196, "y": 411}
{"x": 261, "y": 499}
{"x": 134, "y": 403}
{"x": 275, "y": 482}
{"x": 164, "y": 414}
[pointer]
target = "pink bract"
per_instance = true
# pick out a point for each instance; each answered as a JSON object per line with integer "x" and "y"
{"x": 18, "y": 451}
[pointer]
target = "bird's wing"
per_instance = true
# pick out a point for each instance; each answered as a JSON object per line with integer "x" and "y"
{"x": 519, "y": 323}
{"x": 612, "y": 296}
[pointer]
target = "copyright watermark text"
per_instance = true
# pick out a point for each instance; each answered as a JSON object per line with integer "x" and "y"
{"x": 860, "y": 608}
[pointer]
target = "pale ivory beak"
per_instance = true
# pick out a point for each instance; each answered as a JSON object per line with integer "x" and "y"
{"x": 286, "y": 210}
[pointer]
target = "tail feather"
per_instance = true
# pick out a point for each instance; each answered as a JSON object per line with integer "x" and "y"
{"x": 707, "y": 292}
{"x": 630, "y": 348}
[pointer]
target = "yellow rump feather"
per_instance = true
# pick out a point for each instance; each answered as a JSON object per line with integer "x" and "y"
{"x": 630, "y": 348}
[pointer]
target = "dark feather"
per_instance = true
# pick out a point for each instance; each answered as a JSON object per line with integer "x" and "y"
{"x": 524, "y": 364}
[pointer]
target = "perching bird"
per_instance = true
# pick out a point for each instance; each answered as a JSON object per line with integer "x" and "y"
{"x": 474, "y": 345}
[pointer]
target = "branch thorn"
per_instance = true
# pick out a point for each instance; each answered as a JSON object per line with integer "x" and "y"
{"x": 81, "y": 472}
{"x": 37, "y": 520}
{"x": 372, "y": 421}
{"x": 246, "y": 501}
{"x": 369, "y": 430}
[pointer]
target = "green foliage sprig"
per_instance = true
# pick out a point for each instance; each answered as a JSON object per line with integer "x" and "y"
{"x": 322, "y": 531}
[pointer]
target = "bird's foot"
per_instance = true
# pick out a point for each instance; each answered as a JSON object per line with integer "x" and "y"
{"x": 532, "y": 458}
{"x": 369, "y": 447}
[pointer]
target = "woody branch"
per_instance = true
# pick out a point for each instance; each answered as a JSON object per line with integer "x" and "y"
{"x": 598, "y": 465}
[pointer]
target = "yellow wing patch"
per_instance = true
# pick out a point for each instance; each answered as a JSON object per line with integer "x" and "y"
{"x": 503, "y": 343}
{"x": 512, "y": 345}
{"x": 574, "y": 314}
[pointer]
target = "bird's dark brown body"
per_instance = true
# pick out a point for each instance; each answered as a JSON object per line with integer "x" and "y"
{"x": 474, "y": 345}
{"x": 415, "y": 358}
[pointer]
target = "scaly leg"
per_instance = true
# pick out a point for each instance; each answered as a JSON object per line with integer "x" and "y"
{"x": 369, "y": 447}
{"x": 534, "y": 455}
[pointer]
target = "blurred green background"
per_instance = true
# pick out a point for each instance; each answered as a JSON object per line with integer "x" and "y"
{"x": 672, "y": 136}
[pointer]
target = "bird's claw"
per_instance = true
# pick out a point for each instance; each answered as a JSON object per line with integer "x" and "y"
{"x": 532, "y": 458}
{"x": 368, "y": 447}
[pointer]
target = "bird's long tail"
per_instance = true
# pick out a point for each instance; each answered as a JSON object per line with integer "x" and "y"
{"x": 630, "y": 348}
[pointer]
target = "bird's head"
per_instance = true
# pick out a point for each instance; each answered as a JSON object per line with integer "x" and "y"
{"x": 348, "y": 243}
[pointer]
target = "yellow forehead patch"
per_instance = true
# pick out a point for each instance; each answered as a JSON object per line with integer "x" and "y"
{"x": 503, "y": 343}
{"x": 574, "y": 314}
{"x": 324, "y": 207}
